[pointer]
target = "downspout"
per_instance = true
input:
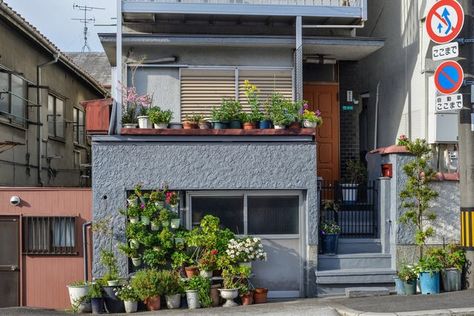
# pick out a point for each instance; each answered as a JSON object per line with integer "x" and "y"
{"x": 84, "y": 249}
{"x": 376, "y": 136}
{"x": 39, "y": 126}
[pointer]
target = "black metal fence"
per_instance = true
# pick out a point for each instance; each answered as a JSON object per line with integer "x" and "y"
{"x": 352, "y": 206}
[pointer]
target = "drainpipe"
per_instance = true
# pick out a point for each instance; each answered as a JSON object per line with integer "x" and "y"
{"x": 84, "y": 249}
{"x": 39, "y": 126}
{"x": 376, "y": 135}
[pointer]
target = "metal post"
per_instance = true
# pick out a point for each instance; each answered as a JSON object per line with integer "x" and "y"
{"x": 119, "y": 69}
{"x": 299, "y": 59}
{"x": 466, "y": 147}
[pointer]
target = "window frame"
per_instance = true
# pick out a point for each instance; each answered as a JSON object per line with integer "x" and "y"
{"x": 76, "y": 125}
{"x": 8, "y": 116}
{"x": 245, "y": 195}
{"x": 54, "y": 116}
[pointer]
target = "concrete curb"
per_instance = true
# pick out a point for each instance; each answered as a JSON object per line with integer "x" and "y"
{"x": 345, "y": 311}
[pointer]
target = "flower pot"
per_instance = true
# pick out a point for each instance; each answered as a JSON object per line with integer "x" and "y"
{"x": 112, "y": 303}
{"x": 349, "y": 192}
{"x": 97, "y": 305}
{"x": 309, "y": 124}
{"x": 229, "y": 295}
{"x": 220, "y": 125}
{"x": 130, "y": 306}
{"x": 136, "y": 262}
{"x": 134, "y": 220}
{"x": 279, "y": 126}
{"x": 191, "y": 271}
{"x": 451, "y": 279}
{"x": 399, "y": 287}
{"x": 250, "y": 125}
{"x": 205, "y": 274}
{"x": 295, "y": 125}
{"x": 160, "y": 125}
{"x": 134, "y": 244}
{"x": 235, "y": 124}
{"x": 129, "y": 125}
{"x": 154, "y": 226}
{"x": 176, "y": 126}
{"x": 204, "y": 125}
{"x": 265, "y": 124}
{"x": 144, "y": 121}
{"x": 192, "y": 298}
{"x": 160, "y": 204}
{"x": 260, "y": 295}
{"x": 145, "y": 220}
{"x": 247, "y": 299}
{"x": 173, "y": 301}
{"x": 77, "y": 295}
{"x": 330, "y": 243}
{"x": 174, "y": 208}
{"x": 189, "y": 125}
{"x": 132, "y": 202}
{"x": 214, "y": 293}
{"x": 409, "y": 287}
{"x": 430, "y": 282}
{"x": 175, "y": 223}
{"x": 113, "y": 283}
{"x": 153, "y": 303}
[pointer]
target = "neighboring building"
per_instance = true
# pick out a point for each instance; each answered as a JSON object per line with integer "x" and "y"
{"x": 94, "y": 63}
{"x": 41, "y": 119}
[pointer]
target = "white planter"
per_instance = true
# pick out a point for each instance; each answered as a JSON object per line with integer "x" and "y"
{"x": 174, "y": 208}
{"x": 136, "y": 262}
{"x": 192, "y": 298}
{"x": 173, "y": 301}
{"x": 309, "y": 124}
{"x": 349, "y": 192}
{"x": 134, "y": 244}
{"x": 154, "y": 226}
{"x": 280, "y": 126}
{"x": 134, "y": 220}
{"x": 160, "y": 125}
{"x": 175, "y": 223}
{"x": 229, "y": 295}
{"x": 144, "y": 121}
{"x": 129, "y": 125}
{"x": 76, "y": 295}
{"x": 205, "y": 274}
{"x": 130, "y": 306}
{"x": 132, "y": 202}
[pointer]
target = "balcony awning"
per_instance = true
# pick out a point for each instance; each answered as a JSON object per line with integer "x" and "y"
{"x": 339, "y": 48}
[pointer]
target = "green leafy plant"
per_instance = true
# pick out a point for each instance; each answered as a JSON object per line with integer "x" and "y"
{"x": 407, "y": 273}
{"x": 159, "y": 116}
{"x": 203, "y": 287}
{"x": 148, "y": 283}
{"x": 129, "y": 116}
{"x": 417, "y": 194}
{"x": 79, "y": 283}
{"x": 127, "y": 293}
{"x": 132, "y": 211}
{"x": 281, "y": 110}
{"x": 180, "y": 259}
{"x": 108, "y": 260}
{"x": 208, "y": 260}
{"x": 314, "y": 117}
{"x": 430, "y": 263}
{"x": 329, "y": 227}
{"x": 403, "y": 140}
{"x": 154, "y": 258}
{"x": 235, "y": 276}
{"x": 194, "y": 118}
{"x": 149, "y": 210}
{"x": 355, "y": 171}
{"x": 251, "y": 92}
{"x": 456, "y": 257}
{"x": 95, "y": 290}
{"x": 128, "y": 251}
{"x": 171, "y": 283}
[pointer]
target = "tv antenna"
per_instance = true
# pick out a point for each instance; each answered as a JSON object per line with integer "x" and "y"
{"x": 86, "y": 21}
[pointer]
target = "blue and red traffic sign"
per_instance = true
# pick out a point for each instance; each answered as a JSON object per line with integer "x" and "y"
{"x": 444, "y": 21}
{"x": 449, "y": 77}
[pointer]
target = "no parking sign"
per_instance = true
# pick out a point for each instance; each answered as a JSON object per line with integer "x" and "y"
{"x": 449, "y": 77}
{"x": 444, "y": 21}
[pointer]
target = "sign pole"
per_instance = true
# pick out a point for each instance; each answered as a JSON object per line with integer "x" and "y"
{"x": 466, "y": 149}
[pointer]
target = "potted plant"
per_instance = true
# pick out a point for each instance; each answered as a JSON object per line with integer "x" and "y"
{"x": 192, "y": 121}
{"x": 220, "y": 118}
{"x": 96, "y": 296}
{"x": 133, "y": 213}
{"x": 130, "y": 298}
{"x": 129, "y": 119}
{"x": 180, "y": 259}
{"x": 266, "y": 121}
{"x": 159, "y": 197}
{"x": 429, "y": 268}
{"x": 260, "y": 295}
{"x": 148, "y": 211}
{"x": 279, "y": 110}
{"x": 330, "y": 231}
{"x": 311, "y": 119}
{"x": 132, "y": 253}
{"x": 79, "y": 296}
{"x": 246, "y": 294}
{"x": 249, "y": 122}
{"x": 251, "y": 119}
{"x": 207, "y": 263}
{"x": 108, "y": 260}
{"x": 143, "y": 118}
{"x": 137, "y": 102}
{"x": 172, "y": 288}
{"x": 355, "y": 175}
{"x": 197, "y": 292}
{"x": 133, "y": 232}
{"x": 154, "y": 258}
{"x": 160, "y": 118}
{"x": 231, "y": 286}
{"x": 172, "y": 199}
{"x": 148, "y": 284}
{"x": 132, "y": 200}
{"x": 452, "y": 272}
{"x": 408, "y": 276}
{"x": 245, "y": 250}
{"x": 233, "y": 111}
{"x": 203, "y": 124}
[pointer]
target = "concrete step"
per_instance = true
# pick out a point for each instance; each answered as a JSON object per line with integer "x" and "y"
{"x": 366, "y": 291}
{"x": 354, "y": 261}
{"x": 355, "y": 245}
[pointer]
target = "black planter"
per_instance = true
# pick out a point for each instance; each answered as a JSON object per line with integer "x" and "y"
{"x": 97, "y": 305}
{"x": 235, "y": 124}
{"x": 220, "y": 125}
{"x": 330, "y": 242}
{"x": 112, "y": 303}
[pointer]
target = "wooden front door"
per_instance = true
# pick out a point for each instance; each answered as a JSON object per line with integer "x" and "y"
{"x": 324, "y": 97}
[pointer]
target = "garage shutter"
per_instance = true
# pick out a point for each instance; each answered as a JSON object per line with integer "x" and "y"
{"x": 203, "y": 89}
{"x": 268, "y": 82}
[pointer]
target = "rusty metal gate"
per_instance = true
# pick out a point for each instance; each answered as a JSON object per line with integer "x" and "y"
{"x": 9, "y": 262}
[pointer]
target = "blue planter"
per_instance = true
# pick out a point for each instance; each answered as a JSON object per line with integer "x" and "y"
{"x": 235, "y": 124}
{"x": 429, "y": 283}
{"x": 265, "y": 124}
{"x": 399, "y": 287}
{"x": 330, "y": 242}
{"x": 220, "y": 125}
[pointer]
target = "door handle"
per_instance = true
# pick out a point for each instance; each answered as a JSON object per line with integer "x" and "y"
{"x": 14, "y": 268}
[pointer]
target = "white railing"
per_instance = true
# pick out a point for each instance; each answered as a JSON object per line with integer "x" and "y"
{"x": 331, "y": 3}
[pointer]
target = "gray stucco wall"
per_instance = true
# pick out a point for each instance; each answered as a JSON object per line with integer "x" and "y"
{"x": 119, "y": 166}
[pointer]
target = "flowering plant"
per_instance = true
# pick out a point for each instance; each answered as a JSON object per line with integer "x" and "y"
{"x": 208, "y": 260}
{"x": 246, "y": 250}
{"x": 402, "y": 140}
{"x": 133, "y": 103}
{"x": 330, "y": 227}
{"x": 314, "y": 117}
{"x": 126, "y": 293}
{"x": 251, "y": 92}
{"x": 172, "y": 198}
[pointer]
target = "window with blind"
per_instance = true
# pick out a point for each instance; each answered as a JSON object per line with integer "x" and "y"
{"x": 204, "y": 89}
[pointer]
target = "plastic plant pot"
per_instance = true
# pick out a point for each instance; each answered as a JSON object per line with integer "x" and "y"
{"x": 430, "y": 282}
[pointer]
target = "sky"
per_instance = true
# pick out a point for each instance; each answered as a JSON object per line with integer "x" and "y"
{"x": 54, "y": 19}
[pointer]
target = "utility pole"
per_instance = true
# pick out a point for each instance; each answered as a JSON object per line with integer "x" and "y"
{"x": 86, "y": 21}
{"x": 466, "y": 143}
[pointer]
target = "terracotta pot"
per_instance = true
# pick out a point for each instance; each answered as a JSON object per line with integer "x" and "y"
{"x": 250, "y": 125}
{"x": 189, "y": 125}
{"x": 260, "y": 295}
{"x": 153, "y": 303}
{"x": 247, "y": 299}
{"x": 191, "y": 271}
{"x": 214, "y": 293}
{"x": 295, "y": 125}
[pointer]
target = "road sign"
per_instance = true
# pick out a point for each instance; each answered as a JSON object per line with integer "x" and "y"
{"x": 445, "y": 51}
{"x": 445, "y": 21}
{"x": 449, "y": 77}
{"x": 446, "y": 103}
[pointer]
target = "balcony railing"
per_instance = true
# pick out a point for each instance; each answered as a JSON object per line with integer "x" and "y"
{"x": 330, "y": 3}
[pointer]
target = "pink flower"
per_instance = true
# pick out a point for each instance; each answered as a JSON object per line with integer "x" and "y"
{"x": 306, "y": 106}
{"x": 318, "y": 113}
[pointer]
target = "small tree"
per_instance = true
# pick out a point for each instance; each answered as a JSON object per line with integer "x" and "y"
{"x": 417, "y": 194}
